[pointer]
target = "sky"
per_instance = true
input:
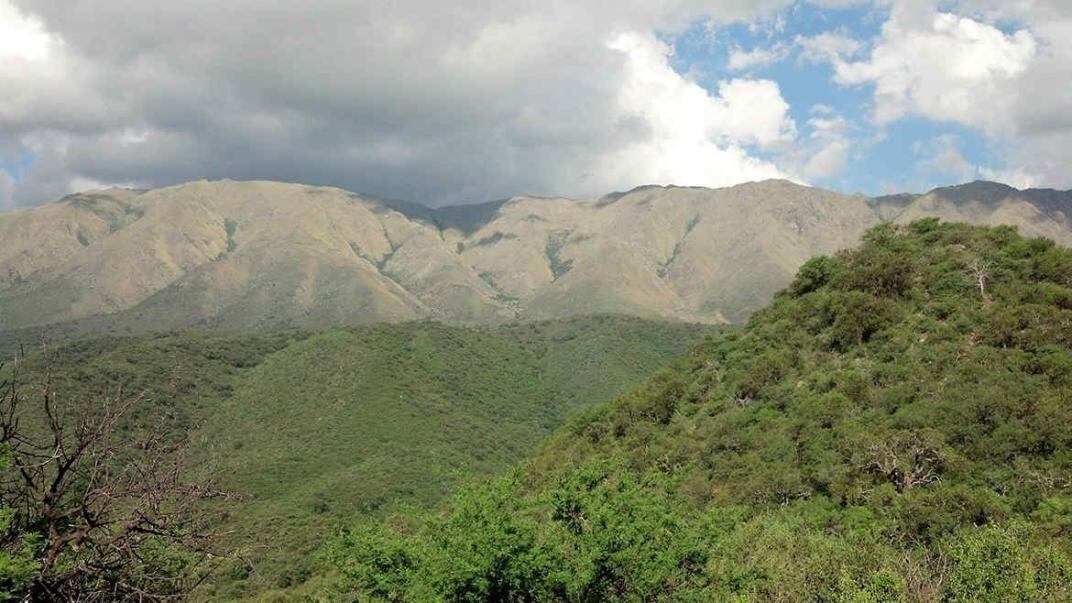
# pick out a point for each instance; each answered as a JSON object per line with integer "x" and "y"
{"x": 465, "y": 101}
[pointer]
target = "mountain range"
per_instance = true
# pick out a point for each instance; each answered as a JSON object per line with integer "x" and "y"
{"x": 263, "y": 255}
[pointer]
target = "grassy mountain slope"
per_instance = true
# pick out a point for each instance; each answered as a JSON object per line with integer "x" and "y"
{"x": 230, "y": 254}
{"x": 263, "y": 255}
{"x": 312, "y": 428}
{"x": 892, "y": 428}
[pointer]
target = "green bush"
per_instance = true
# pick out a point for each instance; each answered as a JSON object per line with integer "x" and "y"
{"x": 881, "y": 432}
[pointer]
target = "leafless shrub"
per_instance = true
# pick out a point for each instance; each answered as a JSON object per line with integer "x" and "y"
{"x": 110, "y": 508}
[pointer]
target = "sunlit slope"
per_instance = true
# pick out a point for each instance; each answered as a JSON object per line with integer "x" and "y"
{"x": 229, "y": 254}
{"x": 261, "y": 255}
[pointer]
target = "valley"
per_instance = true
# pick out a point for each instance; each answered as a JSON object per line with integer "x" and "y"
{"x": 309, "y": 429}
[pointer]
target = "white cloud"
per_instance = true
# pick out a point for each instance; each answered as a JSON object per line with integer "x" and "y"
{"x": 22, "y": 37}
{"x": 751, "y": 112}
{"x": 743, "y": 60}
{"x": 830, "y": 46}
{"x": 1039, "y": 118}
{"x": 694, "y": 138}
{"x": 1016, "y": 177}
{"x": 955, "y": 65}
{"x": 832, "y": 152}
{"x": 825, "y": 150}
{"x": 941, "y": 66}
{"x": 433, "y": 102}
{"x": 941, "y": 156}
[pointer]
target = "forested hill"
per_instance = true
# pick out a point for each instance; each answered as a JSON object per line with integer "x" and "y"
{"x": 894, "y": 427}
{"x": 307, "y": 429}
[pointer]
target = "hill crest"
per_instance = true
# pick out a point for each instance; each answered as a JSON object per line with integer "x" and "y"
{"x": 263, "y": 254}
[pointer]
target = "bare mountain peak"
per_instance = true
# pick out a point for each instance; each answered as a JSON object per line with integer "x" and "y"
{"x": 260, "y": 253}
{"x": 979, "y": 191}
{"x": 772, "y": 183}
{"x": 996, "y": 194}
{"x": 769, "y": 186}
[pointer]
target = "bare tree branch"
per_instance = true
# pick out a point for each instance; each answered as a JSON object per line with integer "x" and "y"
{"x": 980, "y": 270}
{"x": 103, "y": 502}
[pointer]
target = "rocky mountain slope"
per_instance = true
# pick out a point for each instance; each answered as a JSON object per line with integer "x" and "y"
{"x": 248, "y": 255}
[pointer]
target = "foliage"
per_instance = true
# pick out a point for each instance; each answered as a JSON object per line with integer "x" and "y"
{"x": 18, "y": 565}
{"x": 309, "y": 429}
{"x": 89, "y": 513}
{"x": 991, "y": 563}
{"x": 892, "y": 428}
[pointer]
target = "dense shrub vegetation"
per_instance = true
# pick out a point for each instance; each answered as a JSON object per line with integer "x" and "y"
{"x": 309, "y": 429}
{"x": 89, "y": 510}
{"x": 894, "y": 427}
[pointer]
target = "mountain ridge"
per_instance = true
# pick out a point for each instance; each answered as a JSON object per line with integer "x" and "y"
{"x": 262, "y": 254}
{"x": 406, "y": 205}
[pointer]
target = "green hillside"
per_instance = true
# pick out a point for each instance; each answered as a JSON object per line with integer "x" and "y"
{"x": 310, "y": 429}
{"x": 894, "y": 427}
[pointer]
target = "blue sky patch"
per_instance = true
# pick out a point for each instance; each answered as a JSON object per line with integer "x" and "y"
{"x": 905, "y": 155}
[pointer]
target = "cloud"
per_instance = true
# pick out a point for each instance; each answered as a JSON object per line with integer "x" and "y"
{"x": 941, "y": 156}
{"x": 956, "y": 65}
{"x": 1015, "y": 177}
{"x": 22, "y": 37}
{"x": 941, "y": 65}
{"x": 1038, "y": 121}
{"x": 693, "y": 138}
{"x": 830, "y": 46}
{"x": 825, "y": 149}
{"x": 438, "y": 103}
{"x": 743, "y": 60}
{"x": 469, "y": 101}
{"x": 831, "y": 148}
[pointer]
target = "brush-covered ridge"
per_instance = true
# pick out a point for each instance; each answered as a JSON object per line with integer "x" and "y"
{"x": 893, "y": 427}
